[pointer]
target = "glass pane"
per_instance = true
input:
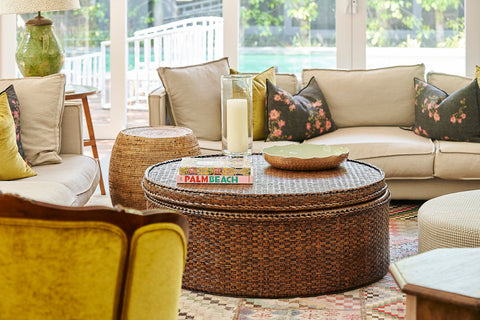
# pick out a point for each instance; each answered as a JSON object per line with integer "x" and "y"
{"x": 288, "y": 34}
{"x": 167, "y": 33}
{"x": 417, "y": 31}
{"x": 84, "y": 34}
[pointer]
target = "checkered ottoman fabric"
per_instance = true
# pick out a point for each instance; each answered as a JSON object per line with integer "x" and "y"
{"x": 450, "y": 221}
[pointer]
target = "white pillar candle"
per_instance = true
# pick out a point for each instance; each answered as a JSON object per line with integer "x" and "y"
{"x": 237, "y": 125}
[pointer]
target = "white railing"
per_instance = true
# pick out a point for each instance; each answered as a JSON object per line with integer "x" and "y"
{"x": 85, "y": 69}
{"x": 180, "y": 43}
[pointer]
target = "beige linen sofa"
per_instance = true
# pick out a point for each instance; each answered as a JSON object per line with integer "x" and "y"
{"x": 371, "y": 109}
{"x": 52, "y": 140}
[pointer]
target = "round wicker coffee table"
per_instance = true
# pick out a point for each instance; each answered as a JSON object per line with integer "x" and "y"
{"x": 136, "y": 149}
{"x": 291, "y": 233}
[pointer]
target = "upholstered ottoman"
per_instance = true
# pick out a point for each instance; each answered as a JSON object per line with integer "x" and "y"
{"x": 450, "y": 221}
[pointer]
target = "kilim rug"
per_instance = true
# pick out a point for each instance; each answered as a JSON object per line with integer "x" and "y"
{"x": 380, "y": 300}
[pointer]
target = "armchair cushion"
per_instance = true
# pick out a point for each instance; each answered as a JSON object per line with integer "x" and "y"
{"x": 193, "y": 94}
{"x": 79, "y": 261}
{"x": 41, "y": 100}
{"x": 12, "y": 164}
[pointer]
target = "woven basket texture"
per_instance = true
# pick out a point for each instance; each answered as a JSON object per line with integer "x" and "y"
{"x": 273, "y": 189}
{"x": 136, "y": 149}
{"x": 289, "y": 234}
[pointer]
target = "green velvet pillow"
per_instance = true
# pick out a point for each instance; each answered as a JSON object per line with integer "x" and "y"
{"x": 12, "y": 165}
{"x": 298, "y": 117}
{"x": 447, "y": 117}
{"x": 259, "y": 90}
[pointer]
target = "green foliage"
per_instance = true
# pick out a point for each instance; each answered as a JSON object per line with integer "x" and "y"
{"x": 262, "y": 13}
{"x": 438, "y": 5}
{"x": 458, "y": 40}
{"x": 97, "y": 25}
{"x": 398, "y": 15}
{"x": 268, "y": 13}
{"x": 387, "y": 20}
{"x": 303, "y": 10}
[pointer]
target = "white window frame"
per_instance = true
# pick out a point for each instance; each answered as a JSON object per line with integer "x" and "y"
{"x": 351, "y": 37}
{"x": 350, "y": 43}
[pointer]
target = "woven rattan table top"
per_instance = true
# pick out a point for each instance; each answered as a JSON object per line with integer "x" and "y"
{"x": 273, "y": 189}
{"x": 155, "y": 132}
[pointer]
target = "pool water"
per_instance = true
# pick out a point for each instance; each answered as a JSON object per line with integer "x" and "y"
{"x": 285, "y": 63}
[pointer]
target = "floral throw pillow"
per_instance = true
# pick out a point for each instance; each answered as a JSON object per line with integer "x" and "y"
{"x": 447, "y": 117}
{"x": 298, "y": 117}
{"x": 15, "y": 109}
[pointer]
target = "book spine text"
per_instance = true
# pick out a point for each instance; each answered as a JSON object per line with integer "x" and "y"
{"x": 214, "y": 179}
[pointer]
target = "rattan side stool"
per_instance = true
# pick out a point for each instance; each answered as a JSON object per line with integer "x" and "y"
{"x": 136, "y": 149}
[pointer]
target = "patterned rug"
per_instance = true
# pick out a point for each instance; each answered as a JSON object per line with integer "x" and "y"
{"x": 380, "y": 300}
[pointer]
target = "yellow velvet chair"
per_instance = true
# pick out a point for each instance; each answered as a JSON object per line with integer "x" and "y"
{"x": 89, "y": 262}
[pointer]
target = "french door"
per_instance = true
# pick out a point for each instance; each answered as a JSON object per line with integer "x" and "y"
{"x": 258, "y": 34}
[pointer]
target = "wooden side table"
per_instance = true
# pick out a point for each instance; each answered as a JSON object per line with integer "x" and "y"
{"x": 441, "y": 284}
{"x": 82, "y": 92}
{"x": 136, "y": 149}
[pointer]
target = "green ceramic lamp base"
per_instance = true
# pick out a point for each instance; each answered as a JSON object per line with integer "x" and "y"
{"x": 39, "y": 53}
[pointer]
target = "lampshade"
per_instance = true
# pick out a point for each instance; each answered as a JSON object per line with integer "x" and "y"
{"x": 28, "y": 6}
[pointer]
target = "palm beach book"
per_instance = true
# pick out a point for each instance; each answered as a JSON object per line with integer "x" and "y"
{"x": 220, "y": 179}
{"x": 215, "y": 170}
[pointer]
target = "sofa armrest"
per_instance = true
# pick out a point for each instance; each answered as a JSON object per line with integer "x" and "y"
{"x": 157, "y": 111}
{"x": 72, "y": 128}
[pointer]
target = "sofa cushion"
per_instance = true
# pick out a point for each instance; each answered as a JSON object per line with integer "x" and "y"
{"x": 447, "y": 82}
{"x": 193, "y": 94}
{"x": 455, "y": 160}
{"x": 41, "y": 100}
{"x": 296, "y": 117}
{"x": 401, "y": 154}
{"x": 288, "y": 82}
{"x": 447, "y": 117}
{"x": 45, "y": 191}
{"x": 259, "y": 91}
{"x": 12, "y": 165}
{"x": 375, "y": 97}
{"x": 70, "y": 183}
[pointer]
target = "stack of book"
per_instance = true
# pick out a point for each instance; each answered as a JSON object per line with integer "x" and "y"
{"x": 216, "y": 170}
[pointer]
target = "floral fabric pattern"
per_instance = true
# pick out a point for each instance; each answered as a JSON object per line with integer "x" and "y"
{"x": 298, "y": 117}
{"x": 15, "y": 109}
{"x": 443, "y": 117}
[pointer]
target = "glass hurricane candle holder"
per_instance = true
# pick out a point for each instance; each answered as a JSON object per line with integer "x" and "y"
{"x": 237, "y": 109}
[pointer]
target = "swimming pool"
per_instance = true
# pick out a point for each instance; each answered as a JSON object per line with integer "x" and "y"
{"x": 285, "y": 62}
